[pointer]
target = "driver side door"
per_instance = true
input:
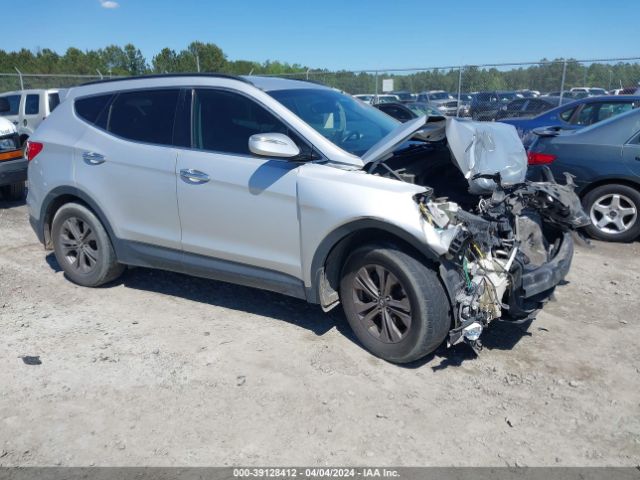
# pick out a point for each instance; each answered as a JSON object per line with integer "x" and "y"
{"x": 238, "y": 211}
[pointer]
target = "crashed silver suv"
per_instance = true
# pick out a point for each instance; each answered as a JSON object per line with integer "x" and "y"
{"x": 425, "y": 231}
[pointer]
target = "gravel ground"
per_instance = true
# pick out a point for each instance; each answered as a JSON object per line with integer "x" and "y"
{"x": 162, "y": 369}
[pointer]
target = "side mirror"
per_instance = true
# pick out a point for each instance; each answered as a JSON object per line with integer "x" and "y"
{"x": 273, "y": 145}
{"x": 4, "y": 105}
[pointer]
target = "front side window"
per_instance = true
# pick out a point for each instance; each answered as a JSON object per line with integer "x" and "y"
{"x": 14, "y": 105}
{"x": 351, "y": 125}
{"x": 32, "y": 105}
{"x": 223, "y": 121}
{"x": 144, "y": 116}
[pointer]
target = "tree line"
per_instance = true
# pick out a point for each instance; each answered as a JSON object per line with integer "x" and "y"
{"x": 129, "y": 60}
{"x": 115, "y": 60}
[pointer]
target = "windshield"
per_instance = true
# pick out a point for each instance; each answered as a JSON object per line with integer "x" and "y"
{"x": 352, "y": 125}
{"x": 506, "y": 96}
{"x": 439, "y": 96}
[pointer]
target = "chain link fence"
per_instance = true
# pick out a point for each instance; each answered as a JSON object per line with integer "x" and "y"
{"x": 489, "y": 91}
{"x": 24, "y": 81}
{"x": 484, "y": 92}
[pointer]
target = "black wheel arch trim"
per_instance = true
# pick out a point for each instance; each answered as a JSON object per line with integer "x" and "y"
{"x": 629, "y": 181}
{"x": 342, "y": 232}
{"x": 46, "y": 216}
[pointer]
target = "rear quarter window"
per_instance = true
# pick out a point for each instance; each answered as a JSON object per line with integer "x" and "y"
{"x": 567, "y": 114}
{"x": 94, "y": 109}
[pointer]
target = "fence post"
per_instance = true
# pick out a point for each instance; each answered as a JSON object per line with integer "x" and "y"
{"x": 459, "y": 90}
{"x": 308, "y": 73}
{"x": 100, "y": 74}
{"x": 376, "y": 84}
{"x": 564, "y": 74}
{"x": 20, "y": 76}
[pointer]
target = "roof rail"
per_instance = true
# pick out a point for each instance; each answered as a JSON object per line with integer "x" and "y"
{"x": 168, "y": 75}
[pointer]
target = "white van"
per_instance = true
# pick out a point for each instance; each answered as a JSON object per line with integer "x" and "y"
{"x": 27, "y": 108}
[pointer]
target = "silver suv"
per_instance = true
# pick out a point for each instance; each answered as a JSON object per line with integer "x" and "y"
{"x": 424, "y": 231}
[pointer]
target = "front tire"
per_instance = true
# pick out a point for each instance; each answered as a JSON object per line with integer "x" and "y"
{"x": 614, "y": 211}
{"x": 82, "y": 247}
{"x": 394, "y": 303}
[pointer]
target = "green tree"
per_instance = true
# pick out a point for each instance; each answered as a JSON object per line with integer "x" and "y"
{"x": 165, "y": 62}
{"x": 135, "y": 63}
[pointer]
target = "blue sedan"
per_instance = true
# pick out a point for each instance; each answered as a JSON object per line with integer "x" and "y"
{"x": 575, "y": 115}
{"x": 604, "y": 160}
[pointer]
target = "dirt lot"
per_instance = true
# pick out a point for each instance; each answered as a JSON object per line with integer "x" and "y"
{"x": 162, "y": 369}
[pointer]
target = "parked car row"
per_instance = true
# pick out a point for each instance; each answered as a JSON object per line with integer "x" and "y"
{"x": 492, "y": 105}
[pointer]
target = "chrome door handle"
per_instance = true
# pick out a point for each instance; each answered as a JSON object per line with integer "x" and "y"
{"x": 93, "y": 158}
{"x": 194, "y": 176}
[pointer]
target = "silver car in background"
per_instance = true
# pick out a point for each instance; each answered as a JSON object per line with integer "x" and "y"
{"x": 425, "y": 231}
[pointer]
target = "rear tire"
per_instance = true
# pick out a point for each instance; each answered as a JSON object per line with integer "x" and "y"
{"x": 83, "y": 248}
{"x": 394, "y": 303}
{"x": 614, "y": 211}
{"x": 14, "y": 192}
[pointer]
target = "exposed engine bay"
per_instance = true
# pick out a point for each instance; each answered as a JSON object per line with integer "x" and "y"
{"x": 503, "y": 240}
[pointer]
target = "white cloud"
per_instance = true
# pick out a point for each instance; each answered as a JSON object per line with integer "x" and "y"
{"x": 109, "y": 4}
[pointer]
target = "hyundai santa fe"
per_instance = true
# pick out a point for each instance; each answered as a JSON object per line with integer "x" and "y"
{"x": 425, "y": 231}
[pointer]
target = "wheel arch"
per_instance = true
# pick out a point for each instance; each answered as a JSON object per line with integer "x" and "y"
{"x": 59, "y": 197}
{"x": 632, "y": 183}
{"x": 329, "y": 257}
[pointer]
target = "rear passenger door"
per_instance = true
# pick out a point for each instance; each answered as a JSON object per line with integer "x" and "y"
{"x": 631, "y": 153}
{"x": 32, "y": 113}
{"x": 126, "y": 162}
{"x": 237, "y": 207}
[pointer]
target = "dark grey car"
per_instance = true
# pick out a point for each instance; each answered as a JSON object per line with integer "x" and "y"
{"x": 605, "y": 161}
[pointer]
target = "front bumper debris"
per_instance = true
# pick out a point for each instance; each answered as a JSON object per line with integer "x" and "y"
{"x": 547, "y": 276}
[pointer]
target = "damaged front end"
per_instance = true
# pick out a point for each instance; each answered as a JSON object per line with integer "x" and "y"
{"x": 505, "y": 243}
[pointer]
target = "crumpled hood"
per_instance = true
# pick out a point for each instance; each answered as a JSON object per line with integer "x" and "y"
{"x": 478, "y": 148}
{"x": 487, "y": 148}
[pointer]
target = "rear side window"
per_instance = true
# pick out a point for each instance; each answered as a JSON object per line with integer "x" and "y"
{"x": 14, "y": 104}
{"x": 54, "y": 101}
{"x": 144, "y": 116}
{"x": 32, "y": 105}
{"x": 94, "y": 109}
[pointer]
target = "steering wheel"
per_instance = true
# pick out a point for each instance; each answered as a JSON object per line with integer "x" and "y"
{"x": 353, "y": 135}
